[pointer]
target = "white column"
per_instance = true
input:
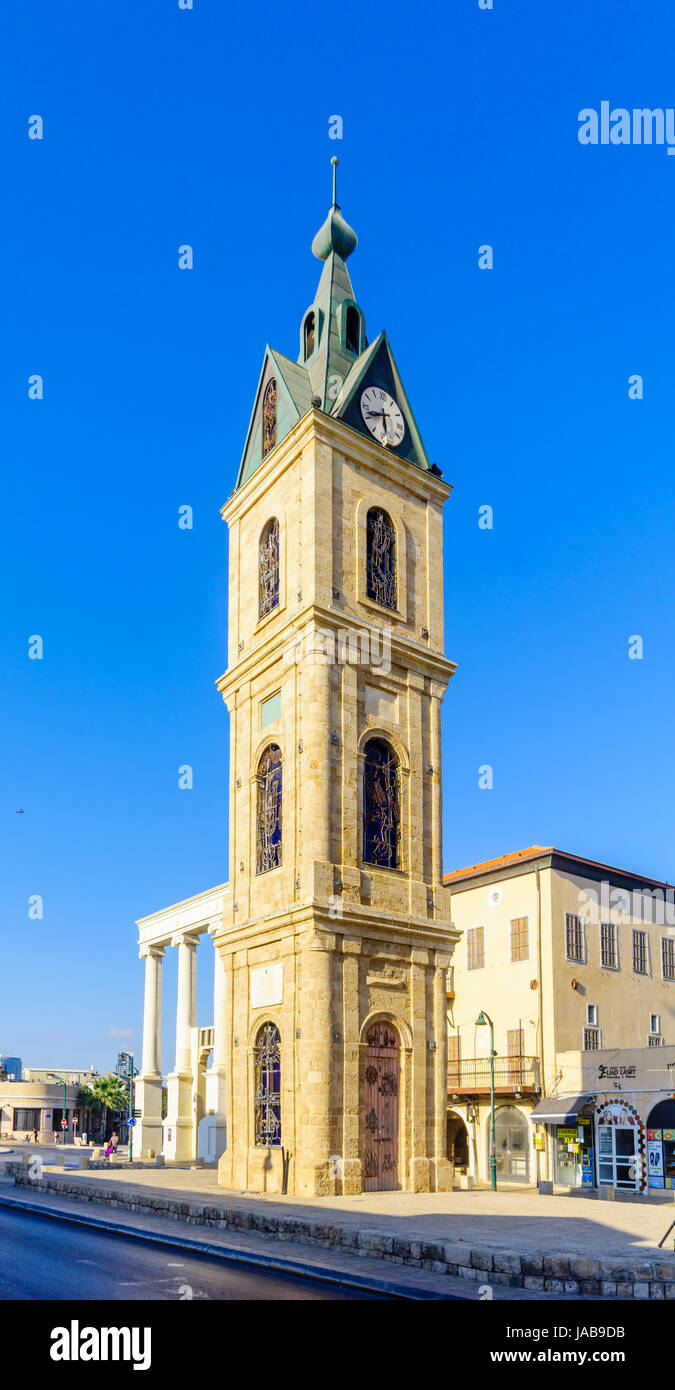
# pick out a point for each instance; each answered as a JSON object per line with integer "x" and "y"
{"x": 147, "y": 1132}
{"x": 152, "y": 1012}
{"x": 179, "y": 1123}
{"x": 212, "y": 1137}
{"x": 186, "y": 1011}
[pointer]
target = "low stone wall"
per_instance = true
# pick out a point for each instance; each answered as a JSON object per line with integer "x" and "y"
{"x": 606, "y": 1276}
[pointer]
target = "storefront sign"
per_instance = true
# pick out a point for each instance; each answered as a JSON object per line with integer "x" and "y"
{"x": 615, "y": 1072}
{"x": 655, "y": 1162}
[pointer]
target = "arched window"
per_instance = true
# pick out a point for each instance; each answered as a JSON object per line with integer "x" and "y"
{"x": 269, "y": 417}
{"x": 267, "y": 1060}
{"x": 268, "y": 568}
{"x": 352, "y": 329}
{"x": 381, "y": 805}
{"x": 381, "y": 558}
{"x": 310, "y": 329}
{"x": 268, "y": 823}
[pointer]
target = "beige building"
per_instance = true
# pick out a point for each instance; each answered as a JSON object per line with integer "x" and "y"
{"x": 36, "y": 1103}
{"x": 573, "y": 961}
{"x": 328, "y": 1041}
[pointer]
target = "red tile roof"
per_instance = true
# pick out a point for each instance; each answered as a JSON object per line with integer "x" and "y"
{"x": 534, "y": 852}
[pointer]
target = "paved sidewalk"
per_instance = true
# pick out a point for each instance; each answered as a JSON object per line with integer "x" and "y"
{"x": 503, "y": 1220}
{"x": 330, "y": 1266}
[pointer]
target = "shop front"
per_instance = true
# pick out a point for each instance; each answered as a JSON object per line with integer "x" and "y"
{"x": 569, "y": 1122}
{"x": 660, "y": 1134}
{"x": 620, "y": 1145}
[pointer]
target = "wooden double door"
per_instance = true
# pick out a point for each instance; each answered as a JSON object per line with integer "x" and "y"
{"x": 381, "y": 1100}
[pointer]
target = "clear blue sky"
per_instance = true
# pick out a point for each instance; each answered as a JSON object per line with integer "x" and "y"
{"x": 210, "y": 127}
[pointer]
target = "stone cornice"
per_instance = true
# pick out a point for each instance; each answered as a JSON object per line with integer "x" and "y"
{"x": 325, "y": 429}
{"x": 279, "y": 644}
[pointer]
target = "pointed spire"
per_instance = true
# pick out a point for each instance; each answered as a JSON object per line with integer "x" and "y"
{"x": 335, "y": 234}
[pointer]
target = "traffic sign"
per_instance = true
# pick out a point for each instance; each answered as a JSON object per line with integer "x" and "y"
{"x": 131, "y": 1121}
{"x": 64, "y": 1124}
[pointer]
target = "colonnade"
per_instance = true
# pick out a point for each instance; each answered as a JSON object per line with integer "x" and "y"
{"x": 194, "y": 1123}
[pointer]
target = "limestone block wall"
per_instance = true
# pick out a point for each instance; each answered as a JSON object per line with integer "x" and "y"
{"x": 335, "y": 984}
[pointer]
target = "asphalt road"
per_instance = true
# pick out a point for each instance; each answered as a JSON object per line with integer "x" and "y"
{"x": 41, "y": 1258}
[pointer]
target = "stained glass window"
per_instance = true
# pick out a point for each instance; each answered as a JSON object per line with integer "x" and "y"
{"x": 268, "y": 837}
{"x": 269, "y": 568}
{"x": 267, "y": 1060}
{"x": 381, "y": 805}
{"x": 381, "y": 558}
{"x": 269, "y": 417}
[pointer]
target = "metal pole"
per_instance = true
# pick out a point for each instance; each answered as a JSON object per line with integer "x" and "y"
{"x": 64, "y": 1111}
{"x": 493, "y": 1146}
{"x": 130, "y": 1128}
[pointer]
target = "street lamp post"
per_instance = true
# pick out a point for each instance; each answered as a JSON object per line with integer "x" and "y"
{"x": 481, "y": 1022}
{"x": 62, "y": 1081}
{"x": 126, "y": 1069}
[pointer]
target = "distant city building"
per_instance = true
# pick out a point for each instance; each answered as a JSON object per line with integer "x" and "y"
{"x": 73, "y": 1075}
{"x": 11, "y": 1066}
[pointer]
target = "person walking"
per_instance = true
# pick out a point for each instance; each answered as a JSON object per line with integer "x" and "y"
{"x": 115, "y": 1139}
{"x": 35, "y": 1135}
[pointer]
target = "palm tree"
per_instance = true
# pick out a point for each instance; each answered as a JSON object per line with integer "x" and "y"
{"x": 103, "y": 1094}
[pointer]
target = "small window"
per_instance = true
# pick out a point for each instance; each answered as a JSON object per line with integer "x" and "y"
{"x": 668, "y": 957}
{"x": 267, "y": 1063}
{"x": 269, "y": 417}
{"x": 592, "y": 1015}
{"x": 591, "y": 1039}
{"x": 27, "y": 1119}
{"x": 381, "y": 805}
{"x": 352, "y": 329}
{"x": 520, "y": 938}
{"x": 640, "y": 952}
{"x": 655, "y": 1023}
{"x": 475, "y": 948}
{"x": 310, "y": 331}
{"x": 608, "y": 955}
{"x": 515, "y": 1047}
{"x": 381, "y": 558}
{"x": 268, "y": 568}
{"x": 268, "y": 827}
{"x": 574, "y": 937}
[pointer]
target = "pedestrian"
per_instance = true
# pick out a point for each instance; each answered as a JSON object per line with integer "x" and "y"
{"x": 35, "y": 1135}
{"x": 115, "y": 1141}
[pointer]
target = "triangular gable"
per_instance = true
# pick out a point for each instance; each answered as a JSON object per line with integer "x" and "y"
{"x": 294, "y": 397}
{"x": 376, "y": 366}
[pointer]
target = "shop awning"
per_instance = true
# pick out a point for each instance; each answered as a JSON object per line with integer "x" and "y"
{"x": 559, "y": 1111}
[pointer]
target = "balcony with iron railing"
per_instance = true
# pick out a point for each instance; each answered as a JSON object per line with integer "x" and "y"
{"x": 471, "y": 1075}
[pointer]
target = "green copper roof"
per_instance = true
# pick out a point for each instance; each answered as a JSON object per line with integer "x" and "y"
{"x": 335, "y": 362}
{"x": 335, "y": 234}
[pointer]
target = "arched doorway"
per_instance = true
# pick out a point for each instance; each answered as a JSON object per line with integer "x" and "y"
{"x": 457, "y": 1141}
{"x": 620, "y": 1146}
{"x": 382, "y": 1078}
{"x": 512, "y": 1145}
{"x": 661, "y": 1144}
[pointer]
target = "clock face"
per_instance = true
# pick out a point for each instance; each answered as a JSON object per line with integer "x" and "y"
{"x": 382, "y": 416}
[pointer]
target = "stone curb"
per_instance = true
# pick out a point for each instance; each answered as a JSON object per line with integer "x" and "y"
{"x": 324, "y": 1274}
{"x": 606, "y": 1276}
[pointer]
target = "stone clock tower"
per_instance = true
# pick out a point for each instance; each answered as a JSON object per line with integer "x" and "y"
{"x": 335, "y": 937}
